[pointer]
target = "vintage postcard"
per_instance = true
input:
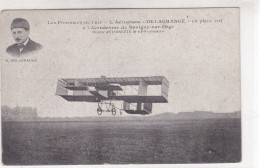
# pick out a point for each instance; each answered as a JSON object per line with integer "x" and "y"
{"x": 120, "y": 86}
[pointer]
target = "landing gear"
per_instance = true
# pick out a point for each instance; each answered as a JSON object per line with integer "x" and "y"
{"x": 99, "y": 110}
{"x": 113, "y": 110}
{"x": 110, "y": 107}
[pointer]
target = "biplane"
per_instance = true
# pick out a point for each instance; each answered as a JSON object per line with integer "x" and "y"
{"x": 105, "y": 90}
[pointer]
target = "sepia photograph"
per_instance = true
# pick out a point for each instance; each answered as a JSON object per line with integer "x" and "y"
{"x": 20, "y": 30}
{"x": 121, "y": 86}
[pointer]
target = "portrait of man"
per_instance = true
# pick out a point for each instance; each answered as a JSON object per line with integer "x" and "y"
{"x": 20, "y": 29}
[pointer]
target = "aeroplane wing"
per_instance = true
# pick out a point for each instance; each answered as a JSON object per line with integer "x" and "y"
{"x": 153, "y": 80}
{"x": 143, "y": 99}
{"x": 97, "y": 89}
{"x": 80, "y": 98}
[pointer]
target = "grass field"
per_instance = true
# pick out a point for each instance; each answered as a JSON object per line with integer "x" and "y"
{"x": 121, "y": 142}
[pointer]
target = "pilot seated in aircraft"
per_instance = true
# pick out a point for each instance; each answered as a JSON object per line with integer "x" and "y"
{"x": 20, "y": 29}
{"x": 111, "y": 93}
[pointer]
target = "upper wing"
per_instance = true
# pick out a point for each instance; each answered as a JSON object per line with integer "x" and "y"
{"x": 96, "y": 89}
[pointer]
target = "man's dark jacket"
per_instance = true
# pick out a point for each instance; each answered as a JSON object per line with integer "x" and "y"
{"x": 29, "y": 47}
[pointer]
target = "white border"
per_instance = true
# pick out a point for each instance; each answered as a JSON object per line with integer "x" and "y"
{"x": 249, "y": 11}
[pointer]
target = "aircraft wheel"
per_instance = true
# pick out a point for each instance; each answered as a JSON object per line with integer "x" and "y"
{"x": 113, "y": 111}
{"x": 99, "y": 111}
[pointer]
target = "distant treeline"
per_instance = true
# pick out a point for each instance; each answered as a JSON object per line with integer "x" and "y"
{"x": 30, "y": 114}
{"x": 168, "y": 116}
{"x": 199, "y": 115}
{"x": 18, "y": 113}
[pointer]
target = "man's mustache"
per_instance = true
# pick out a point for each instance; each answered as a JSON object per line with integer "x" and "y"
{"x": 17, "y": 39}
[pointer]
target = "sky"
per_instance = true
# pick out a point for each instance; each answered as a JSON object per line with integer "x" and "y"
{"x": 200, "y": 60}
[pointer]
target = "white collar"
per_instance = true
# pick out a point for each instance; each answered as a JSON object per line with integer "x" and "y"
{"x": 25, "y": 43}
